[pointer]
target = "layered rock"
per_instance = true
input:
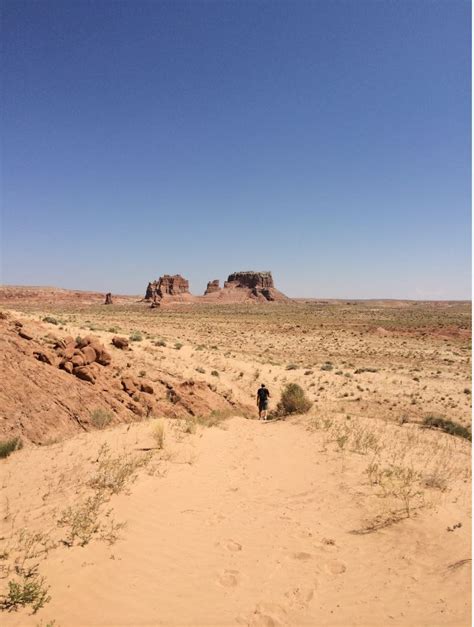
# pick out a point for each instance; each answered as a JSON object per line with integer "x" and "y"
{"x": 251, "y": 280}
{"x": 258, "y": 285}
{"x": 212, "y": 286}
{"x": 167, "y": 285}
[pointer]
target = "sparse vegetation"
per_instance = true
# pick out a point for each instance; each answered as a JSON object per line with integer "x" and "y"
{"x": 158, "y": 433}
{"x": 293, "y": 401}
{"x": 100, "y": 418}
{"x": 114, "y": 473}
{"x": 51, "y": 320}
{"x": 136, "y": 336}
{"x": 448, "y": 426}
{"x": 7, "y": 447}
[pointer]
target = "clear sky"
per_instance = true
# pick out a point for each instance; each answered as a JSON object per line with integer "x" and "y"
{"x": 326, "y": 141}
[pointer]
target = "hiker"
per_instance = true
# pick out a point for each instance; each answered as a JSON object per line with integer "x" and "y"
{"x": 262, "y": 401}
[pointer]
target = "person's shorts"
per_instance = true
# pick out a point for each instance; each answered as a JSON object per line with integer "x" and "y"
{"x": 263, "y": 405}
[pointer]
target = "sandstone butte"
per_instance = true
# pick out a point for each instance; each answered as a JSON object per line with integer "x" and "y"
{"x": 245, "y": 286}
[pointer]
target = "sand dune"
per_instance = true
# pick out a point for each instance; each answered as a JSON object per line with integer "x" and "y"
{"x": 244, "y": 523}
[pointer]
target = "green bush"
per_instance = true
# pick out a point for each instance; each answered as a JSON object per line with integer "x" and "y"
{"x": 448, "y": 426}
{"x": 8, "y": 446}
{"x": 136, "y": 336}
{"x": 293, "y": 401}
{"x": 50, "y": 319}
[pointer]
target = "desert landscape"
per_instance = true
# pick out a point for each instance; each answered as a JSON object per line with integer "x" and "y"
{"x": 138, "y": 487}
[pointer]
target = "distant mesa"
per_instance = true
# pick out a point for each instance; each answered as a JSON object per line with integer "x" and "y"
{"x": 259, "y": 284}
{"x": 167, "y": 285}
{"x": 246, "y": 286}
{"x": 212, "y": 286}
{"x": 240, "y": 287}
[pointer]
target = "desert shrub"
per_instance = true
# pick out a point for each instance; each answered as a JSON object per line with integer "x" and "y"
{"x": 361, "y": 370}
{"x": 160, "y": 343}
{"x": 82, "y": 521}
{"x": 214, "y": 373}
{"x": 100, "y": 418}
{"x": 293, "y": 401}
{"x": 178, "y": 346}
{"x": 158, "y": 433}
{"x": 292, "y": 367}
{"x": 27, "y": 591}
{"x": 136, "y": 336}
{"x": 327, "y": 366}
{"x": 448, "y": 426}
{"x": 51, "y": 320}
{"x": 113, "y": 473}
{"x": 114, "y": 329}
{"x": 9, "y": 446}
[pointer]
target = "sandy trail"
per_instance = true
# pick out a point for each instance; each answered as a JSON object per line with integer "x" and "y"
{"x": 255, "y": 530}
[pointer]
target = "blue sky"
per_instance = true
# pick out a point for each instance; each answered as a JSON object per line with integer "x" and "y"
{"x": 327, "y": 141}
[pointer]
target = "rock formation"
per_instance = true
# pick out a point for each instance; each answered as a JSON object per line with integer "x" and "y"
{"x": 212, "y": 286}
{"x": 251, "y": 280}
{"x": 167, "y": 285}
{"x": 108, "y": 299}
{"x": 259, "y": 285}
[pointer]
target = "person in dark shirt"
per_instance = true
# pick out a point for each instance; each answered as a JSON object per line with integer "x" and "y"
{"x": 262, "y": 401}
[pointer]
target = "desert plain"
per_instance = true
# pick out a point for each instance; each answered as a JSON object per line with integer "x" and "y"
{"x": 149, "y": 493}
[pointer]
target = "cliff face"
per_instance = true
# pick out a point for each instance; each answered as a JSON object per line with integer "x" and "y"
{"x": 167, "y": 285}
{"x": 257, "y": 285}
{"x": 212, "y": 286}
{"x": 251, "y": 280}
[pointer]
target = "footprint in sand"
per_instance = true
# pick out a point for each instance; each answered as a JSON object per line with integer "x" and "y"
{"x": 301, "y": 555}
{"x": 233, "y": 546}
{"x": 229, "y": 578}
{"x": 335, "y": 567}
{"x": 300, "y": 597}
{"x": 268, "y": 615}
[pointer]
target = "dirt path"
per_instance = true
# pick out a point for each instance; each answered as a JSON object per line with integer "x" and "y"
{"x": 251, "y": 526}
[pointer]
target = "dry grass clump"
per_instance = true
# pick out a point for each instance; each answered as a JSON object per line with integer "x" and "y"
{"x": 114, "y": 473}
{"x": 100, "y": 418}
{"x": 293, "y": 401}
{"x": 7, "y": 447}
{"x": 158, "y": 433}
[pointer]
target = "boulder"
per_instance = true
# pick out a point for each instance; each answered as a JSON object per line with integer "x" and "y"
{"x": 130, "y": 385}
{"x": 89, "y": 355}
{"x": 24, "y": 334}
{"x": 78, "y": 360}
{"x": 146, "y": 387}
{"x": 85, "y": 373}
{"x": 44, "y": 357}
{"x": 68, "y": 366}
{"x": 120, "y": 342}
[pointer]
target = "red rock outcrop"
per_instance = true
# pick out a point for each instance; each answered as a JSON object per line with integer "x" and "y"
{"x": 212, "y": 286}
{"x": 251, "y": 280}
{"x": 167, "y": 285}
{"x": 258, "y": 285}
